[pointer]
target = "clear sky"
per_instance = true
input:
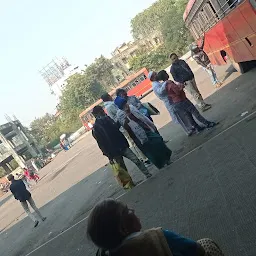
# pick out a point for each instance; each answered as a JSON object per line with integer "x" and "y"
{"x": 34, "y": 32}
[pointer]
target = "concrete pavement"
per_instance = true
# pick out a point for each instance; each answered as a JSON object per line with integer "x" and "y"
{"x": 199, "y": 195}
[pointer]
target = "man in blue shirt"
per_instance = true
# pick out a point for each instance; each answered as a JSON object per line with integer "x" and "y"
{"x": 182, "y": 73}
{"x": 21, "y": 193}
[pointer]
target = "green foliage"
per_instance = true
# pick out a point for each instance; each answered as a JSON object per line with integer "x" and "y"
{"x": 176, "y": 36}
{"x": 150, "y": 20}
{"x": 165, "y": 17}
{"x": 81, "y": 91}
{"x": 153, "y": 60}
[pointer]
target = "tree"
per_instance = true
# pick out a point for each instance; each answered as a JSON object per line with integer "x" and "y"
{"x": 176, "y": 36}
{"x": 40, "y": 128}
{"x": 154, "y": 60}
{"x": 166, "y": 18}
{"x": 150, "y": 20}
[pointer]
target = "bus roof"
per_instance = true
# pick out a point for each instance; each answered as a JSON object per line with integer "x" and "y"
{"x": 188, "y": 9}
{"x": 127, "y": 80}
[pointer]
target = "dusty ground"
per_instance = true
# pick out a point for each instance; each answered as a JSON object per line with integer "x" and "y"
{"x": 208, "y": 192}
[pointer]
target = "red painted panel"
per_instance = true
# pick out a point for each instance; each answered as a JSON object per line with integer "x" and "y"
{"x": 230, "y": 34}
{"x": 141, "y": 88}
{"x": 249, "y": 14}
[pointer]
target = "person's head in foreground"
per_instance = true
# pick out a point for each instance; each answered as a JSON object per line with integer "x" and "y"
{"x": 122, "y": 104}
{"x": 115, "y": 228}
{"x": 106, "y": 97}
{"x": 174, "y": 57}
{"x": 10, "y": 177}
{"x": 98, "y": 111}
{"x": 152, "y": 76}
{"x": 162, "y": 75}
{"x": 121, "y": 93}
{"x": 110, "y": 222}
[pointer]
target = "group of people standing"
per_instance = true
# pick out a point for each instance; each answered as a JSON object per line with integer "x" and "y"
{"x": 180, "y": 108}
{"x": 125, "y": 120}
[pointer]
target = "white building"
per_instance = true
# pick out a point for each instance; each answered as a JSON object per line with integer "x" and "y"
{"x": 56, "y": 74}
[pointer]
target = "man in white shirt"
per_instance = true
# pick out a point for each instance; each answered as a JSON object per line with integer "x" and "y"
{"x": 111, "y": 109}
{"x": 109, "y": 106}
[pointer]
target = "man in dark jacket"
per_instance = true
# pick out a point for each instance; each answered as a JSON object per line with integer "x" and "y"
{"x": 182, "y": 73}
{"x": 112, "y": 142}
{"x": 21, "y": 193}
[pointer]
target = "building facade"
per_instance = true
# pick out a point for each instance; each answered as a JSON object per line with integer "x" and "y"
{"x": 56, "y": 74}
{"x": 122, "y": 54}
{"x": 16, "y": 147}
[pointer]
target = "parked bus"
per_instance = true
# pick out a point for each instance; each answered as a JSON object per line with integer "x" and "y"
{"x": 229, "y": 27}
{"x": 136, "y": 84}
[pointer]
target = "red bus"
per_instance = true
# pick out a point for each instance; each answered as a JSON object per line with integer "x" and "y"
{"x": 136, "y": 84}
{"x": 229, "y": 27}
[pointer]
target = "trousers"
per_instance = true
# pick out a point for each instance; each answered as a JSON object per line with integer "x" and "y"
{"x": 33, "y": 206}
{"x": 191, "y": 88}
{"x": 132, "y": 157}
{"x": 212, "y": 74}
{"x": 191, "y": 111}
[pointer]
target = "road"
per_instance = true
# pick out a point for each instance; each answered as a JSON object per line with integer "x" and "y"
{"x": 209, "y": 191}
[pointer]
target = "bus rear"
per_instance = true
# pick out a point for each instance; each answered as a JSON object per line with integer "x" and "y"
{"x": 229, "y": 27}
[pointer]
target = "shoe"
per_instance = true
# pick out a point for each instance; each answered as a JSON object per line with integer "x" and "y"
{"x": 148, "y": 175}
{"x": 169, "y": 162}
{"x": 44, "y": 218}
{"x": 211, "y": 125}
{"x": 36, "y": 223}
{"x": 147, "y": 163}
{"x": 206, "y": 107}
{"x": 218, "y": 85}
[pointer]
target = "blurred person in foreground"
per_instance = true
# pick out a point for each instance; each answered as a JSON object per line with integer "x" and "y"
{"x": 21, "y": 193}
{"x": 112, "y": 142}
{"x": 116, "y": 230}
{"x": 182, "y": 73}
{"x": 144, "y": 133}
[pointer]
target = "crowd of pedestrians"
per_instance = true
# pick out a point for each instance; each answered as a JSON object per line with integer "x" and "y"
{"x": 126, "y": 122}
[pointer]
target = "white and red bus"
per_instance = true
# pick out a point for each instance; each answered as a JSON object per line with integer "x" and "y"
{"x": 229, "y": 27}
{"x": 136, "y": 84}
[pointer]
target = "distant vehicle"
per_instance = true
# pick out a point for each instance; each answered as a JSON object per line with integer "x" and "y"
{"x": 136, "y": 84}
{"x": 229, "y": 27}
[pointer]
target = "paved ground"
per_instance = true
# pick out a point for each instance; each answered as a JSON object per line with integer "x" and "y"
{"x": 208, "y": 192}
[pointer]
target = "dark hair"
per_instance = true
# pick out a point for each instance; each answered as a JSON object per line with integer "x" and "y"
{"x": 97, "y": 110}
{"x": 10, "y": 177}
{"x": 162, "y": 75}
{"x": 105, "y": 97}
{"x": 120, "y": 91}
{"x": 173, "y": 54}
{"x": 104, "y": 224}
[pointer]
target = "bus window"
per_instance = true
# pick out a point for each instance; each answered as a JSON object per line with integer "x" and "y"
{"x": 145, "y": 77}
{"x": 193, "y": 31}
{"x": 142, "y": 78}
{"x": 201, "y": 23}
{"x": 197, "y": 27}
{"x": 218, "y": 6}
